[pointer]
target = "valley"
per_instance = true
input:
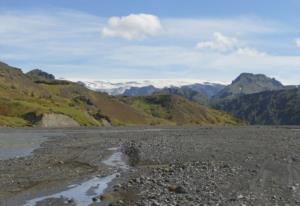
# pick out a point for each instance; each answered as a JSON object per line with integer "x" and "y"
{"x": 149, "y": 103}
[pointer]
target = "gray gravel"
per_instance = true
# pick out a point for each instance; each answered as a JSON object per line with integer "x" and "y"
{"x": 170, "y": 166}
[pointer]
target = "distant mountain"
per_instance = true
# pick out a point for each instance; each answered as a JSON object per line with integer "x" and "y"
{"x": 209, "y": 89}
{"x": 188, "y": 93}
{"x": 140, "y": 91}
{"x": 200, "y": 93}
{"x": 117, "y": 88}
{"x": 112, "y": 88}
{"x": 248, "y": 83}
{"x": 281, "y": 107}
{"x": 178, "y": 110}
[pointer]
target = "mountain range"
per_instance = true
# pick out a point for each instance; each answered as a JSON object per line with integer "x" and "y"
{"x": 36, "y": 98}
{"x": 254, "y": 98}
{"x": 132, "y": 87}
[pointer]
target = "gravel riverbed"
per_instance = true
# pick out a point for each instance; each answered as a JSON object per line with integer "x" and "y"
{"x": 168, "y": 166}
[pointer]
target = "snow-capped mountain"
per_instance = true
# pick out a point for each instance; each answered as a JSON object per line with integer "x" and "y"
{"x": 119, "y": 87}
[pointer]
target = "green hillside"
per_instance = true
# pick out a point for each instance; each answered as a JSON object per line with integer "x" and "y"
{"x": 178, "y": 110}
{"x": 26, "y": 98}
{"x": 187, "y": 93}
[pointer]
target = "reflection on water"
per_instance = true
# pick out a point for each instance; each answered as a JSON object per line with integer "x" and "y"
{"x": 83, "y": 193}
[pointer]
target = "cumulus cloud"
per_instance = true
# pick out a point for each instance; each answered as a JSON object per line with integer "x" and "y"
{"x": 219, "y": 43}
{"x": 134, "y": 26}
{"x": 298, "y": 42}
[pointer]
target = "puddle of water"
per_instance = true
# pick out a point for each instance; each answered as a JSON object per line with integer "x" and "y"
{"x": 84, "y": 192}
{"x": 81, "y": 193}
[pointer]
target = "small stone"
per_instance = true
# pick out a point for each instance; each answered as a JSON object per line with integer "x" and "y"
{"x": 240, "y": 196}
{"x": 177, "y": 189}
{"x": 106, "y": 197}
{"x": 71, "y": 200}
{"x": 172, "y": 188}
{"x": 117, "y": 186}
{"x": 293, "y": 188}
{"x": 138, "y": 180}
{"x": 180, "y": 190}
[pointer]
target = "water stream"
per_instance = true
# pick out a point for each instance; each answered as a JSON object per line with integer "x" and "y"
{"x": 83, "y": 193}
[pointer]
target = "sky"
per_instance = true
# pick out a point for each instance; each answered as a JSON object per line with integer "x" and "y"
{"x": 209, "y": 40}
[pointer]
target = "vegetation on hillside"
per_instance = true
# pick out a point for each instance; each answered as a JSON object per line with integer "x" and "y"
{"x": 25, "y": 98}
{"x": 270, "y": 107}
{"x": 187, "y": 93}
{"x": 178, "y": 110}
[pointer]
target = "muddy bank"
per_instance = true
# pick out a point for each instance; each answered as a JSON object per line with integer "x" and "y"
{"x": 171, "y": 166}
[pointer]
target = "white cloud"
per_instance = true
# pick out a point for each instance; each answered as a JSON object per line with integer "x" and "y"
{"x": 250, "y": 52}
{"x": 220, "y": 43}
{"x": 225, "y": 44}
{"x": 208, "y": 65}
{"x": 134, "y": 26}
{"x": 298, "y": 42}
{"x": 68, "y": 44}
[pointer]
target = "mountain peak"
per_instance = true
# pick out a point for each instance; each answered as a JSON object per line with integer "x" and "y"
{"x": 248, "y": 83}
{"x": 255, "y": 78}
{"x": 38, "y": 74}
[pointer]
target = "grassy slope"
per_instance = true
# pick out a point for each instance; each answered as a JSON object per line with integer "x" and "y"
{"x": 178, "y": 110}
{"x": 24, "y": 100}
{"x": 19, "y": 96}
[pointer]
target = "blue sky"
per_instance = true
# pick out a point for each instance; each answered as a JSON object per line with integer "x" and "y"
{"x": 142, "y": 39}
